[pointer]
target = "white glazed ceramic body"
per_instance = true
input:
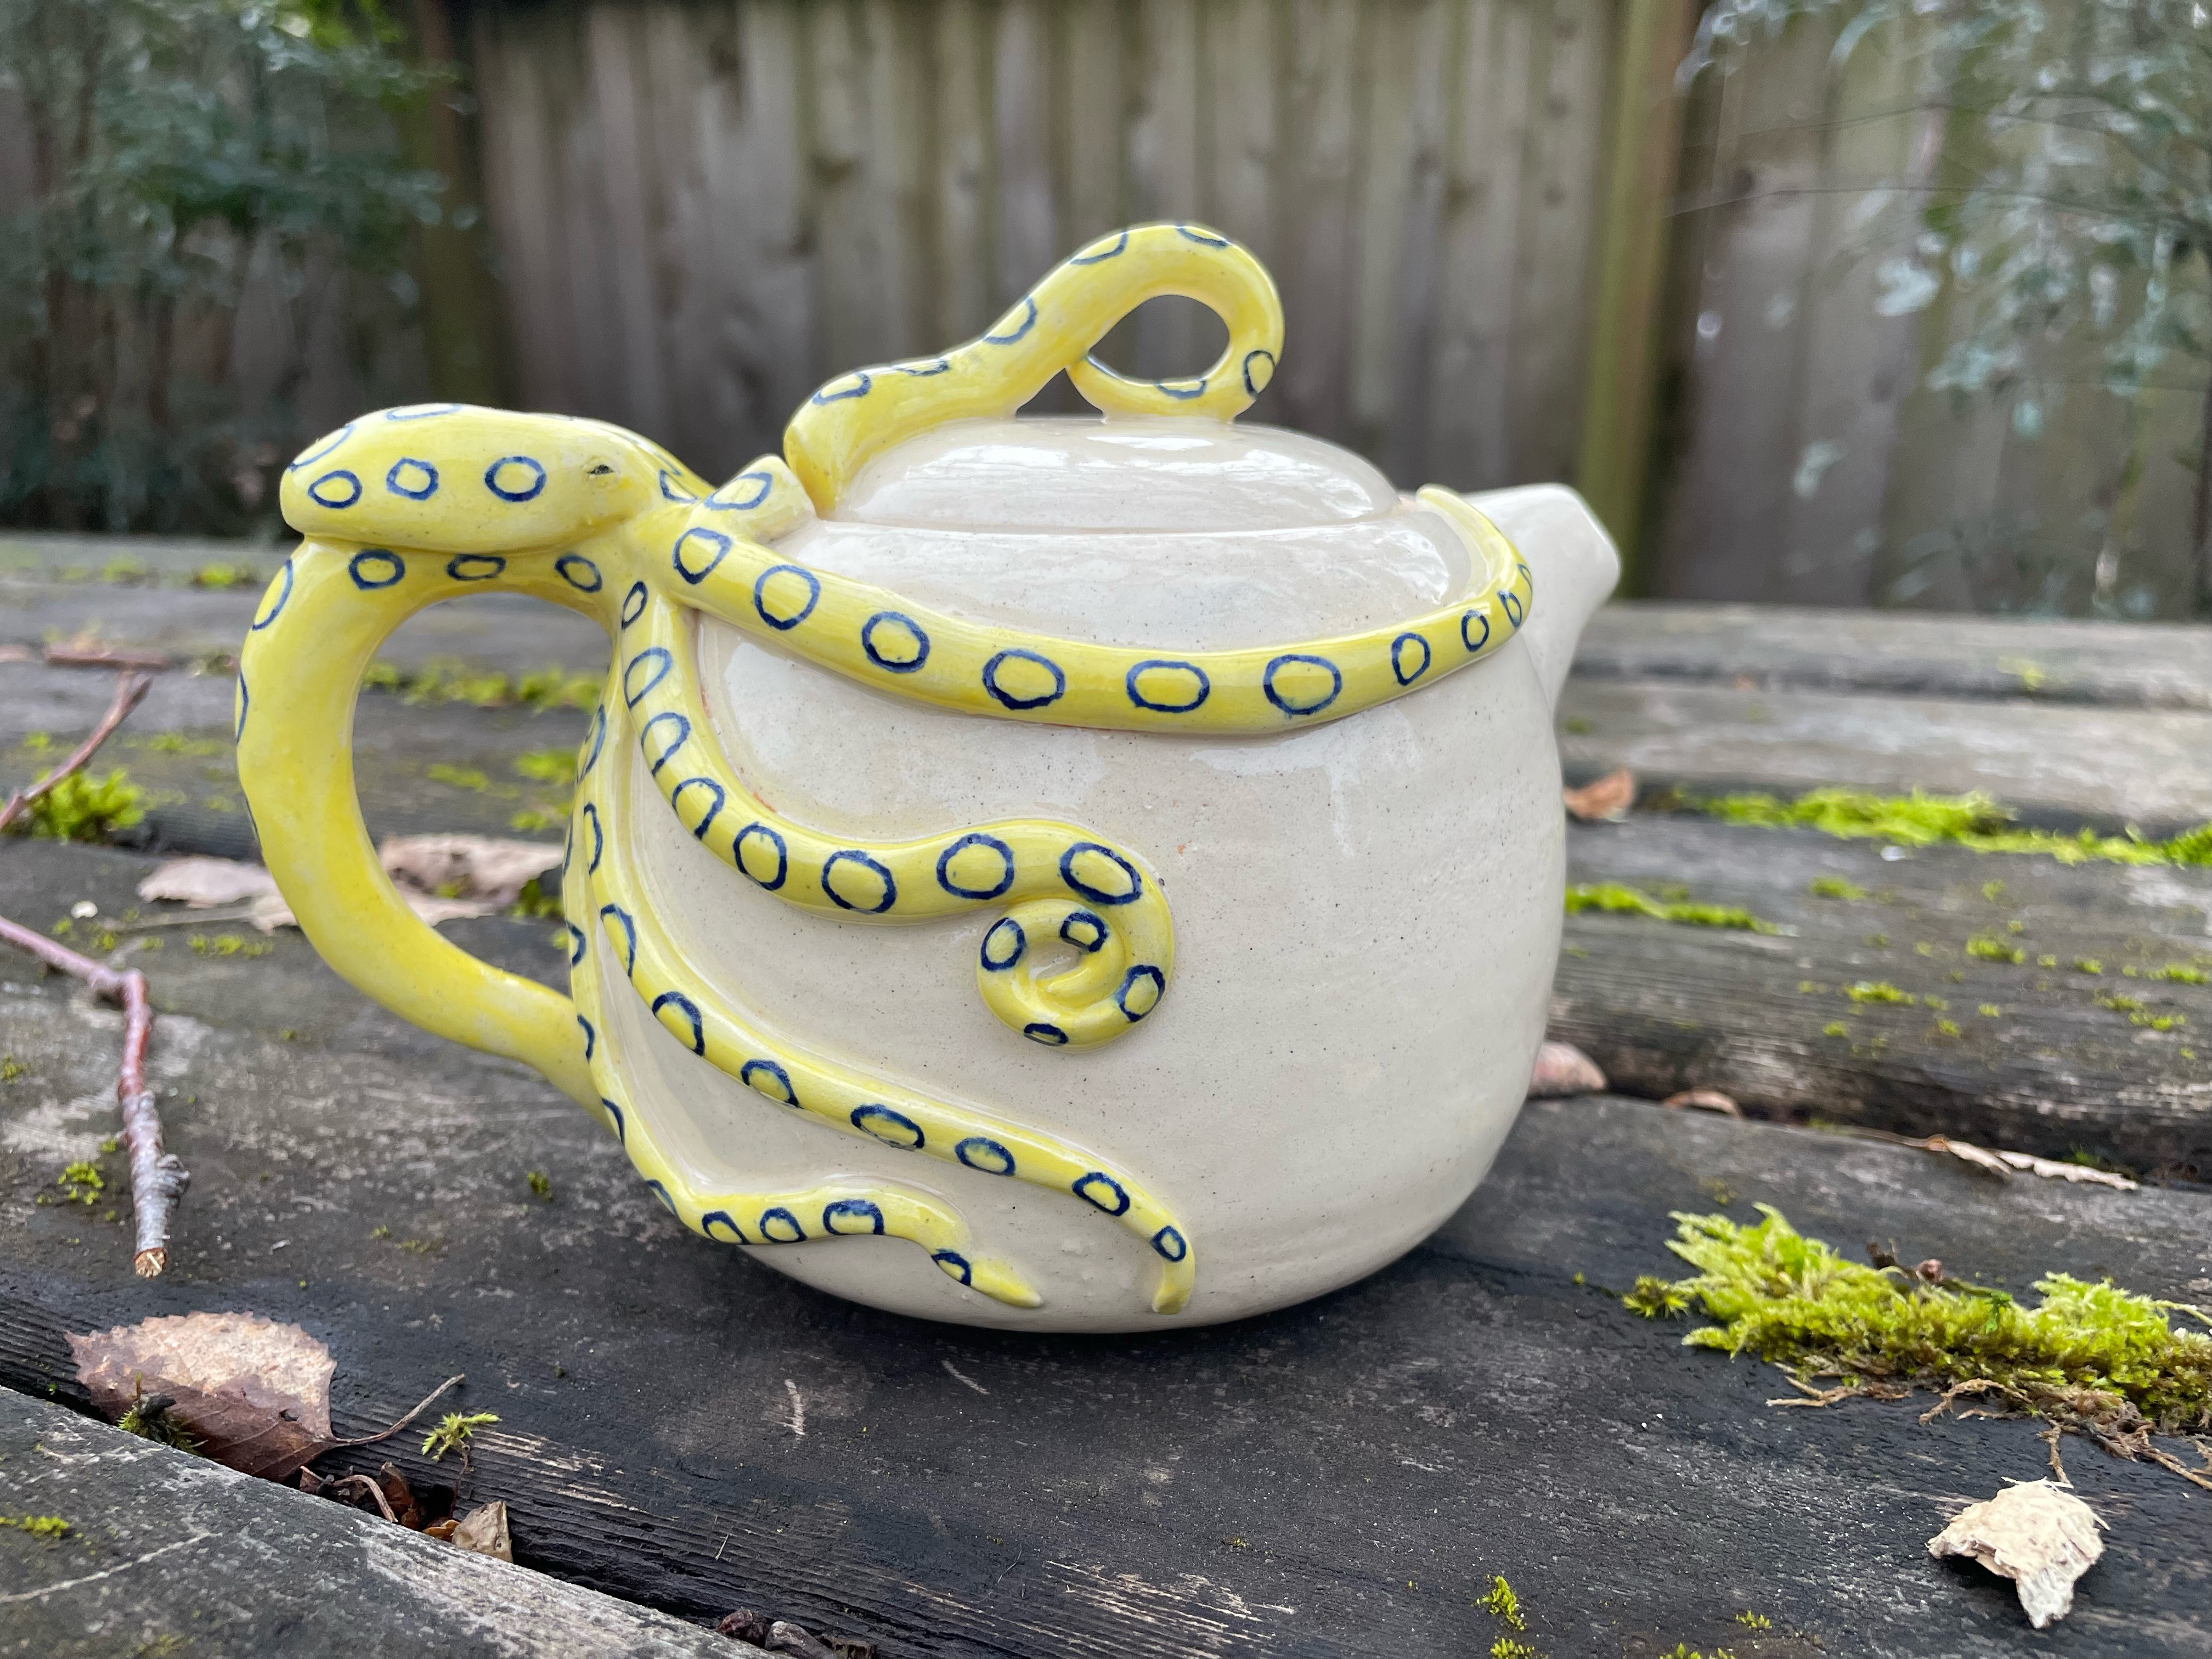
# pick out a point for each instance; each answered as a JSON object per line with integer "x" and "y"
{"x": 1366, "y": 913}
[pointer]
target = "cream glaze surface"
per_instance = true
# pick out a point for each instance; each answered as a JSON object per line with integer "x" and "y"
{"x": 1366, "y": 913}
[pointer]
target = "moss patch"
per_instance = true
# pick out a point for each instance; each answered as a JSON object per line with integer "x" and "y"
{"x": 1611, "y": 896}
{"x": 81, "y": 808}
{"x": 2093, "y": 1358}
{"x": 452, "y": 681}
{"x": 1972, "y": 821}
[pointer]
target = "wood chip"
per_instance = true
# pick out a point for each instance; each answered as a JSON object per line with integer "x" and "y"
{"x": 484, "y": 1531}
{"x": 2037, "y": 1533}
{"x": 1606, "y": 800}
{"x": 1703, "y": 1100}
{"x": 1563, "y": 1069}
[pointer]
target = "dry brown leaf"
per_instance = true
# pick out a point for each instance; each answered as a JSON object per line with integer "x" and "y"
{"x": 484, "y": 1531}
{"x": 202, "y": 883}
{"x": 271, "y": 913}
{"x": 1703, "y": 1100}
{"x": 1563, "y": 1069}
{"x": 1606, "y": 800}
{"x": 256, "y": 1395}
{"x": 2002, "y": 1165}
{"x": 2037, "y": 1533}
{"x": 478, "y": 867}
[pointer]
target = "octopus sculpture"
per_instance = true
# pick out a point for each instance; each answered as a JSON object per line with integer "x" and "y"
{"x": 407, "y": 506}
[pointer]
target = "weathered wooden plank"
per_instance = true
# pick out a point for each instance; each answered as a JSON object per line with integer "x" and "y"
{"x": 1164, "y": 168}
{"x": 2125, "y": 664}
{"x": 1327, "y": 56}
{"x": 962, "y": 216}
{"x": 1029, "y": 236}
{"x": 1336, "y": 1480}
{"x": 2057, "y": 763}
{"x": 167, "y": 1552}
{"x": 2040, "y": 1055}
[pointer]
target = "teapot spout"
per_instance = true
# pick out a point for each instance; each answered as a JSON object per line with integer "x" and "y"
{"x": 1575, "y": 565}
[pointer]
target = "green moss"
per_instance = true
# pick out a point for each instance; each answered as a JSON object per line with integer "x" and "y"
{"x": 546, "y": 765}
{"x": 541, "y": 1185}
{"x": 1986, "y": 949}
{"x": 458, "y": 777}
{"x": 1508, "y": 1647}
{"x": 1835, "y": 1027}
{"x": 1611, "y": 896}
{"x": 1879, "y": 990}
{"x": 1655, "y": 1298}
{"x": 81, "y": 808}
{"x": 453, "y": 1433}
{"x": 38, "y": 1526}
{"x": 1973, "y": 821}
{"x": 176, "y": 743}
{"x": 228, "y": 945}
{"x": 1834, "y": 887}
{"x": 11, "y": 1068}
{"x": 2182, "y": 973}
{"x": 1500, "y": 1600}
{"x": 448, "y": 680}
{"x": 1752, "y": 1620}
{"x": 2087, "y": 1356}
{"x": 222, "y": 575}
{"x": 82, "y": 1182}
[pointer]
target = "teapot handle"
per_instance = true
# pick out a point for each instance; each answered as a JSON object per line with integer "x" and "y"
{"x": 312, "y": 636}
{"x": 1055, "y": 326}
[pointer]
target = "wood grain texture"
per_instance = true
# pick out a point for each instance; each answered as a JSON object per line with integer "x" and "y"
{"x": 705, "y": 211}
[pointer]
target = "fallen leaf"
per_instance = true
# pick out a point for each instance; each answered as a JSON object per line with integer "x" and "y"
{"x": 1606, "y": 800}
{"x": 1563, "y": 1069}
{"x": 2037, "y": 1533}
{"x": 484, "y": 1531}
{"x": 271, "y": 913}
{"x": 2002, "y": 1165}
{"x": 1703, "y": 1100}
{"x": 482, "y": 868}
{"x": 202, "y": 883}
{"x": 256, "y": 1395}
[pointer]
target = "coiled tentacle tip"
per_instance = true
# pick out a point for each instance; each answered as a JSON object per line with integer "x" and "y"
{"x": 999, "y": 1280}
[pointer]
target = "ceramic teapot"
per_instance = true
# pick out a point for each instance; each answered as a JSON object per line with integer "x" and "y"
{"x": 1226, "y": 770}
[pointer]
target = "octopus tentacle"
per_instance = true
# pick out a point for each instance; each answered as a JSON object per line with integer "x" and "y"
{"x": 833, "y": 1208}
{"x": 1054, "y": 876}
{"x": 678, "y": 996}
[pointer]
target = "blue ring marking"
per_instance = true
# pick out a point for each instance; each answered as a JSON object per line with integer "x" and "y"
{"x": 661, "y": 1193}
{"x": 681, "y": 497}
{"x": 591, "y": 755}
{"x": 974, "y": 838}
{"x": 239, "y": 726}
{"x": 866, "y": 1118}
{"x": 576, "y": 943}
{"x": 785, "y": 624}
{"x": 775, "y": 839}
{"x": 1120, "y": 242}
{"x": 982, "y": 1146}
{"x": 868, "y": 641}
{"x": 537, "y": 483}
{"x": 283, "y": 596}
{"x": 706, "y": 1225}
{"x": 391, "y": 479}
{"x": 934, "y": 370}
{"x": 598, "y": 841}
{"x": 713, "y": 538}
{"x": 633, "y": 604}
{"x": 591, "y": 1038}
{"x": 1028, "y": 322}
{"x": 1257, "y": 351}
{"x": 575, "y": 581}
{"x": 1398, "y": 657}
{"x": 315, "y": 489}
{"x": 1143, "y": 970}
{"x": 1197, "y": 390}
{"x": 1467, "y": 640}
{"x": 622, "y": 1123}
{"x": 1170, "y": 1243}
{"x": 890, "y": 885}
{"x": 991, "y": 680}
{"x": 1084, "y": 890}
{"x": 690, "y": 1010}
{"x": 857, "y": 389}
{"x": 462, "y": 567}
{"x": 1012, "y": 941}
{"x": 1044, "y": 1031}
{"x": 766, "y": 482}
{"x": 682, "y": 736}
{"x": 308, "y": 458}
{"x": 422, "y": 411}
{"x": 721, "y": 799}
{"x": 1268, "y": 683}
{"x": 1205, "y": 239}
{"x": 847, "y": 1209}
{"x": 358, "y": 567}
{"x": 629, "y": 936}
{"x": 788, "y": 1097}
{"x": 1096, "y": 924}
{"x": 951, "y": 1261}
{"x": 1205, "y": 685}
{"x": 662, "y": 664}
{"x": 1512, "y": 601}
{"x": 1121, "y": 1204}
{"x": 797, "y": 1233}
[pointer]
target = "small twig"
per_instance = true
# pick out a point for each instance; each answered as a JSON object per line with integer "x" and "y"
{"x": 93, "y": 656}
{"x": 2050, "y": 1437}
{"x": 130, "y": 688}
{"x": 386, "y": 1434}
{"x": 362, "y": 1483}
{"x": 158, "y": 1178}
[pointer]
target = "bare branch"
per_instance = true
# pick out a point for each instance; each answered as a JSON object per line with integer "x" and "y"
{"x": 130, "y": 688}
